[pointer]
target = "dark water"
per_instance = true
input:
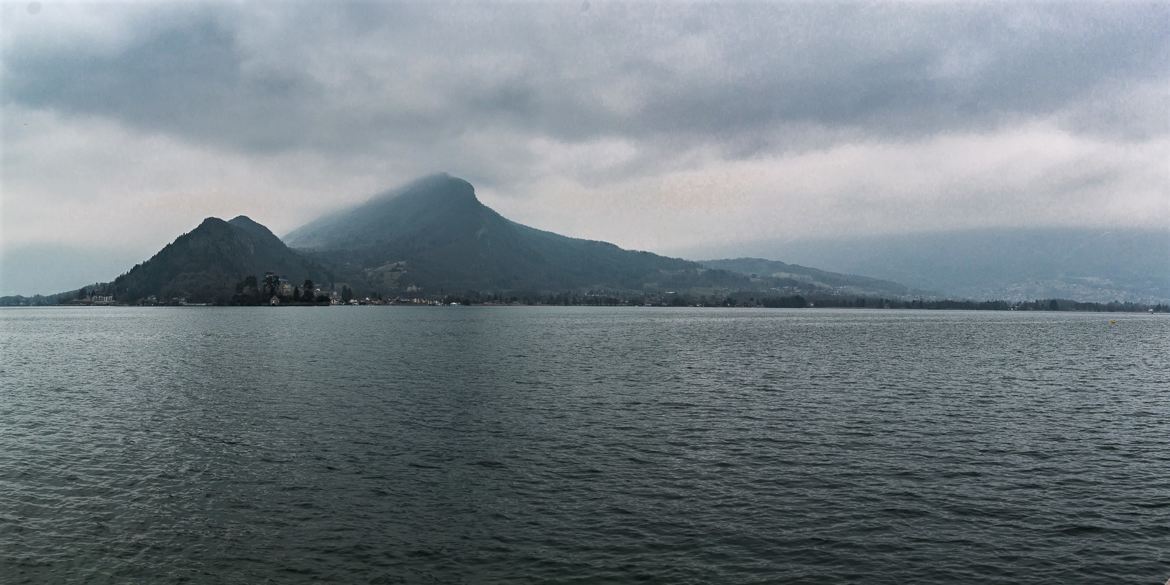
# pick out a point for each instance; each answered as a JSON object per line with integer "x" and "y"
{"x": 488, "y": 445}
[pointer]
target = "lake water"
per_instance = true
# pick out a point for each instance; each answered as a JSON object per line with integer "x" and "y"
{"x": 582, "y": 445}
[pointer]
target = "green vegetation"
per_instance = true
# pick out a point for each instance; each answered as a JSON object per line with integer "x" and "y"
{"x": 207, "y": 264}
{"x": 249, "y": 292}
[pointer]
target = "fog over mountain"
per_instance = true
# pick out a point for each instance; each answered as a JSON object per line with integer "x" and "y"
{"x": 690, "y": 130}
{"x": 430, "y": 238}
{"x": 848, "y": 284}
{"x": 434, "y": 234}
{"x": 1009, "y": 264}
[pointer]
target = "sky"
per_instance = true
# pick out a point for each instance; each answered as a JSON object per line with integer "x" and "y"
{"x": 657, "y": 126}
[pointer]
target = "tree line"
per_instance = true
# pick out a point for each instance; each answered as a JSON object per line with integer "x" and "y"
{"x": 756, "y": 299}
{"x": 251, "y": 291}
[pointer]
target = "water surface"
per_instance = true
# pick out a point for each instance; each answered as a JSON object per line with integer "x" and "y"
{"x": 591, "y": 445}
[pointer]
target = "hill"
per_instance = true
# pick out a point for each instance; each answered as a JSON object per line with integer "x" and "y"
{"x": 205, "y": 264}
{"x": 847, "y": 284}
{"x": 1082, "y": 264}
{"x": 436, "y": 235}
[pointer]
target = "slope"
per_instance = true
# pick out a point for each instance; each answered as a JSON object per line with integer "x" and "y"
{"x": 205, "y": 264}
{"x": 435, "y": 234}
{"x": 850, "y": 284}
{"x": 1084, "y": 264}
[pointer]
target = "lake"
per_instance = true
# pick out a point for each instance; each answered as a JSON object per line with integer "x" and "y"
{"x": 582, "y": 445}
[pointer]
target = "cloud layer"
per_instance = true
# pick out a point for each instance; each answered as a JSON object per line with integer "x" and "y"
{"x": 659, "y": 126}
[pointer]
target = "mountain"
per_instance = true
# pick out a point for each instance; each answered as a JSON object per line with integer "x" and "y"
{"x": 849, "y": 284}
{"x": 1014, "y": 264}
{"x": 205, "y": 264}
{"x": 435, "y": 234}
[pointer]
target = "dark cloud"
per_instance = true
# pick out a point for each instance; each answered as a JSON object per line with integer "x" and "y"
{"x": 652, "y": 124}
{"x": 341, "y": 77}
{"x": 184, "y": 79}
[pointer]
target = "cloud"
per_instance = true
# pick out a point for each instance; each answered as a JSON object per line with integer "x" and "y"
{"x": 1001, "y": 178}
{"x": 91, "y": 180}
{"x": 652, "y": 125}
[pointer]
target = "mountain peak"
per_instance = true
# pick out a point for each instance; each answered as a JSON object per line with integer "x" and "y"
{"x": 243, "y": 220}
{"x": 427, "y": 207}
{"x": 434, "y": 233}
{"x": 434, "y": 188}
{"x": 212, "y": 227}
{"x": 251, "y": 226}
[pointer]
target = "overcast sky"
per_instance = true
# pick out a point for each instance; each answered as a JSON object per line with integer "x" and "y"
{"x": 654, "y": 126}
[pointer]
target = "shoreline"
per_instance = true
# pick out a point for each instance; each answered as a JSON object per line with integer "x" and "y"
{"x": 1136, "y": 311}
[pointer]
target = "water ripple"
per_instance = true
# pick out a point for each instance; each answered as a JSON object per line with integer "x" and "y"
{"x": 501, "y": 445}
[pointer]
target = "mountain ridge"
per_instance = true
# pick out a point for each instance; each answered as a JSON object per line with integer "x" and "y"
{"x": 433, "y": 236}
{"x": 434, "y": 233}
{"x": 1014, "y": 264}
{"x": 841, "y": 283}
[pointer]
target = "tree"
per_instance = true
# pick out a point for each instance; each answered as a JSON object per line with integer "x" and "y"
{"x": 247, "y": 292}
{"x": 296, "y": 294}
{"x": 271, "y": 284}
{"x": 346, "y": 293}
{"x": 307, "y": 290}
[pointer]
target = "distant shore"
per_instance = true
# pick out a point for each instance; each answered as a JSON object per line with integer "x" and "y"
{"x": 1044, "y": 305}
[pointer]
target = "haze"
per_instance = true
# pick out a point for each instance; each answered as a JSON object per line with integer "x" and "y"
{"x": 669, "y": 127}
